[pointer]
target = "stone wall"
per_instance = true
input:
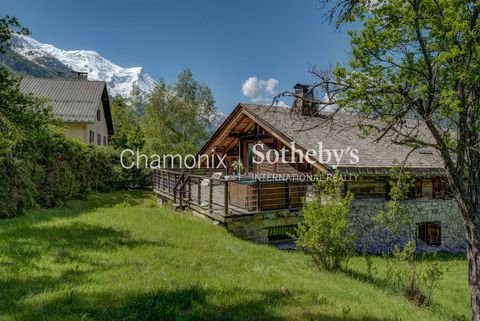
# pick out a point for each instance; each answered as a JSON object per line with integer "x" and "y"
{"x": 255, "y": 227}
{"x": 377, "y": 240}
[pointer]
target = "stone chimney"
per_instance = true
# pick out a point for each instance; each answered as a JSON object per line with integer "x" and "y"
{"x": 305, "y": 102}
{"x": 80, "y": 75}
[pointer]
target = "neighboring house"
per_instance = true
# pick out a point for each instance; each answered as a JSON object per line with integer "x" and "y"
{"x": 264, "y": 203}
{"x": 83, "y": 105}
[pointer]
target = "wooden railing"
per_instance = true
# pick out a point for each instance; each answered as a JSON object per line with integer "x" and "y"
{"x": 224, "y": 196}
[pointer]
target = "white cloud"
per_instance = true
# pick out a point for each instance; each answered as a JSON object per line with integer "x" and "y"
{"x": 251, "y": 88}
{"x": 261, "y": 91}
{"x": 270, "y": 85}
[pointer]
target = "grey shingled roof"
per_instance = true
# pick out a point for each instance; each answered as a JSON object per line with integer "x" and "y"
{"x": 340, "y": 133}
{"x": 71, "y": 100}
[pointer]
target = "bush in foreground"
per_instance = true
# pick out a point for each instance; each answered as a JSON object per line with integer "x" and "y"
{"x": 325, "y": 233}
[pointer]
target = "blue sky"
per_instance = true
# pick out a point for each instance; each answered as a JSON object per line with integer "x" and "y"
{"x": 224, "y": 43}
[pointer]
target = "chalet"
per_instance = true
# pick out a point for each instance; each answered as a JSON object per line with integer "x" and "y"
{"x": 263, "y": 201}
{"x": 81, "y": 104}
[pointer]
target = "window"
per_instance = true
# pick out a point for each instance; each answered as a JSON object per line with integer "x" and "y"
{"x": 441, "y": 189}
{"x": 369, "y": 187}
{"x": 92, "y": 137}
{"x": 99, "y": 139}
{"x": 416, "y": 190}
{"x": 430, "y": 233}
{"x": 281, "y": 233}
{"x": 98, "y": 114}
{"x": 104, "y": 141}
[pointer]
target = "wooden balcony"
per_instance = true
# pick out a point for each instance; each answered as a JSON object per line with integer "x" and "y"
{"x": 225, "y": 198}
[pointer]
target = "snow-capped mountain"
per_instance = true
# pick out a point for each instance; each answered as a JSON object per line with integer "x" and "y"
{"x": 120, "y": 81}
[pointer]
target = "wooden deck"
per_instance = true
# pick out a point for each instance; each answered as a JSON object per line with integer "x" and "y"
{"x": 225, "y": 199}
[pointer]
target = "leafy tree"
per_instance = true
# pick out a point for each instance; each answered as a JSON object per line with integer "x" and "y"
{"x": 403, "y": 269}
{"x": 394, "y": 217}
{"x": 9, "y": 25}
{"x": 419, "y": 59}
{"x": 178, "y": 117}
{"x": 23, "y": 122}
{"x": 136, "y": 102}
{"x": 124, "y": 122}
{"x": 325, "y": 232}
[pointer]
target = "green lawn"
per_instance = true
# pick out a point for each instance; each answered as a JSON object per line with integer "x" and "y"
{"x": 118, "y": 257}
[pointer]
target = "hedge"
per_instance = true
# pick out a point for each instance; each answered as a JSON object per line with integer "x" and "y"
{"x": 60, "y": 169}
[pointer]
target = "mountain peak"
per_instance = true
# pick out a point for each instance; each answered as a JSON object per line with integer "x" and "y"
{"x": 120, "y": 80}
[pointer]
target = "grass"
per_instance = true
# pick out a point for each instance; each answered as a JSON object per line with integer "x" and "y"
{"x": 116, "y": 256}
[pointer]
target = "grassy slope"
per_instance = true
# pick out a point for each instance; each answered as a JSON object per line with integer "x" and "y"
{"x": 117, "y": 257}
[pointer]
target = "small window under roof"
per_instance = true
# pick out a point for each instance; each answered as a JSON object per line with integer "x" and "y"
{"x": 425, "y": 150}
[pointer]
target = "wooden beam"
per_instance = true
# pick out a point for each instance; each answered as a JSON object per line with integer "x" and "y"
{"x": 225, "y": 205}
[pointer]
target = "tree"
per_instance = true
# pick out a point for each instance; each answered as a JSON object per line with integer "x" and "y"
{"x": 395, "y": 216}
{"x": 417, "y": 62}
{"x": 403, "y": 269}
{"x": 178, "y": 118}
{"x": 325, "y": 233}
{"x": 124, "y": 122}
{"x": 9, "y": 25}
{"x": 23, "y": 123}
{"x": 136, "y": 101}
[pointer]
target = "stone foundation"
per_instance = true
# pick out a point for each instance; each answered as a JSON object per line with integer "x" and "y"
{"x": 376, "y": 240}
{"x": 255, "y": 227}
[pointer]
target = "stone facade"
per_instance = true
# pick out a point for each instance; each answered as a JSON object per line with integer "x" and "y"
{"x": 376, "y": 239}
{"x": 370, "y": 235}
{"x": 255, "y": 227}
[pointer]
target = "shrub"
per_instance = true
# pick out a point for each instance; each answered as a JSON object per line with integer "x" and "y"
{"x": 403, "y": 270}
{"x": 17, "y": 190}
{"x": 60, "y": 169}
{"x": 326, "y": 233}
{"x": 417, "y": 282}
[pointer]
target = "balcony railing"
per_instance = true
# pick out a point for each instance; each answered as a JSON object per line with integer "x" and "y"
{"x": 221, "y": 196}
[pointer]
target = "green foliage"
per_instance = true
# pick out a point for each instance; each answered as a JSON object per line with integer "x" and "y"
{"x": 178, "y": 118}
{"x": 9, "y": 25}
{"x": 40, "y": 166}
{"x": 17, "y": 191}
{"x": 124, "y": 122}
{"x": 417, "y": 283}
{"x": 325, "y": 233}
{"x": 395, "y": 215}
{"x": 237, "y": 167}
{"x": 136, "y": 102}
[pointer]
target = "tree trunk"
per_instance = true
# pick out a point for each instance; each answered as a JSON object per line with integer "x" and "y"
{"x": 473, "y": 258}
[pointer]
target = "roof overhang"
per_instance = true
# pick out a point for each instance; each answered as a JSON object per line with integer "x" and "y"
{"x": 230, "y": 122}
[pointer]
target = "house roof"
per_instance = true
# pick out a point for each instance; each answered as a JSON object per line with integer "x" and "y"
{"x": 340, "y": 132}
{"x": 74, "y": 101}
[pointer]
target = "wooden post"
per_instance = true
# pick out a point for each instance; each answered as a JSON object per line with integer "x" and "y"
{"x": 173, "y": 188}
{"x": 162, "y": 180}
{"x": 199, "y": 191}
{"x": 180, "y": 192}
{"x": 168, "y": 183}
{"x": 189, "y": 189}
{"x": 258, "y": 196}
{"x": 164, "y": 177}
{"x": 225, "y": 205}
{"x": 210, "y": 196}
